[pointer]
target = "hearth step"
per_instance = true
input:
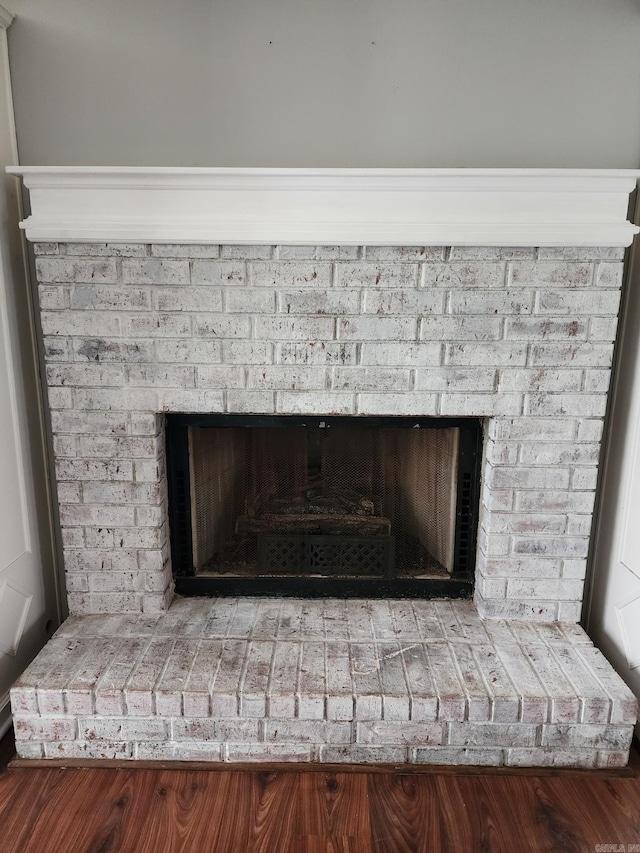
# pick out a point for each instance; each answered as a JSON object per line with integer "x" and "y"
{"x": 330, "y": 681}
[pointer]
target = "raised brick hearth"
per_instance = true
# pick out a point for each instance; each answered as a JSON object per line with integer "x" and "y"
{"x": 521, "y": 338}
{"x": 332, "y": 681}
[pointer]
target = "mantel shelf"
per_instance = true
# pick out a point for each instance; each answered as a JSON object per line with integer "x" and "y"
{"x": 477, "y": 207}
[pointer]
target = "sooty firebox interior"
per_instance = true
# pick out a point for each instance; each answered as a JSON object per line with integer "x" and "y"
{"x": 333, "y": 506}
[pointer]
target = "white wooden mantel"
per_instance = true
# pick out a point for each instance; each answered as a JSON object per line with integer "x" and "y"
{"x": 476, "y": 207}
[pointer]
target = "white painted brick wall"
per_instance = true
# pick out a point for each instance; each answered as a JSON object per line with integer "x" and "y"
{"x": 520, "y": 337}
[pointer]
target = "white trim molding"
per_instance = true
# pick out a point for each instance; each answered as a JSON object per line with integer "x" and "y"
{"x": 6, "y": 17}
{"x": 473, "y": 207}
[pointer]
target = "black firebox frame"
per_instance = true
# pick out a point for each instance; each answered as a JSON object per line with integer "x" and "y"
{"x": 189, "y": 583}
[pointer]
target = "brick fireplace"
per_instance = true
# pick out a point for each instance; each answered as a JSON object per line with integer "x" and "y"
{"x": 523, "y": 339}
{"x": 518, "y": 336}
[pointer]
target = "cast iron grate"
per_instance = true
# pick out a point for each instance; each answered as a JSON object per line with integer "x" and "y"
{"x": 325, "y": 555}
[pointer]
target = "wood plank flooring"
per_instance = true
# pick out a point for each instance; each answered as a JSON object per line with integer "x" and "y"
{"x": 153, "y": 811}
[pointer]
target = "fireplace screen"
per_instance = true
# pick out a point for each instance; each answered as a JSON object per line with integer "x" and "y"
{"x": 290, "y": 504}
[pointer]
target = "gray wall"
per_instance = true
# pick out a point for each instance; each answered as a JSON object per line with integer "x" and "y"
{"x": 327, "y": 82}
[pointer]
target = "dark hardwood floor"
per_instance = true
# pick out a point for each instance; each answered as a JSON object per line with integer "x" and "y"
{"x": 301, "y": 811}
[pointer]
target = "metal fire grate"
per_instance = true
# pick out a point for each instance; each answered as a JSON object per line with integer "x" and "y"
{"x": 326, "y": 555}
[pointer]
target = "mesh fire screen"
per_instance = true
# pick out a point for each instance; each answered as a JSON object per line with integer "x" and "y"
{"x": 332, "y": 501}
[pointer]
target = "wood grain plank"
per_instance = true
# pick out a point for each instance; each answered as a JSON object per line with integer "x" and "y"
{"x": 97, "y": 824}
{"x": 134, "y": 810}
{"x": 273, "y": 824}
{"x": 404, "y": 814}
{"x": 499, "y": 816}
{"x": 176, "y": 812}
{"x": 602, "y": 809}
{"x": 332, "y": 844}
{"x": 334, "y": 804}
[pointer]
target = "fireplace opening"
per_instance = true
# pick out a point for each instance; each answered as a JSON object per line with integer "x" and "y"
{"x": 347, "y": 506}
